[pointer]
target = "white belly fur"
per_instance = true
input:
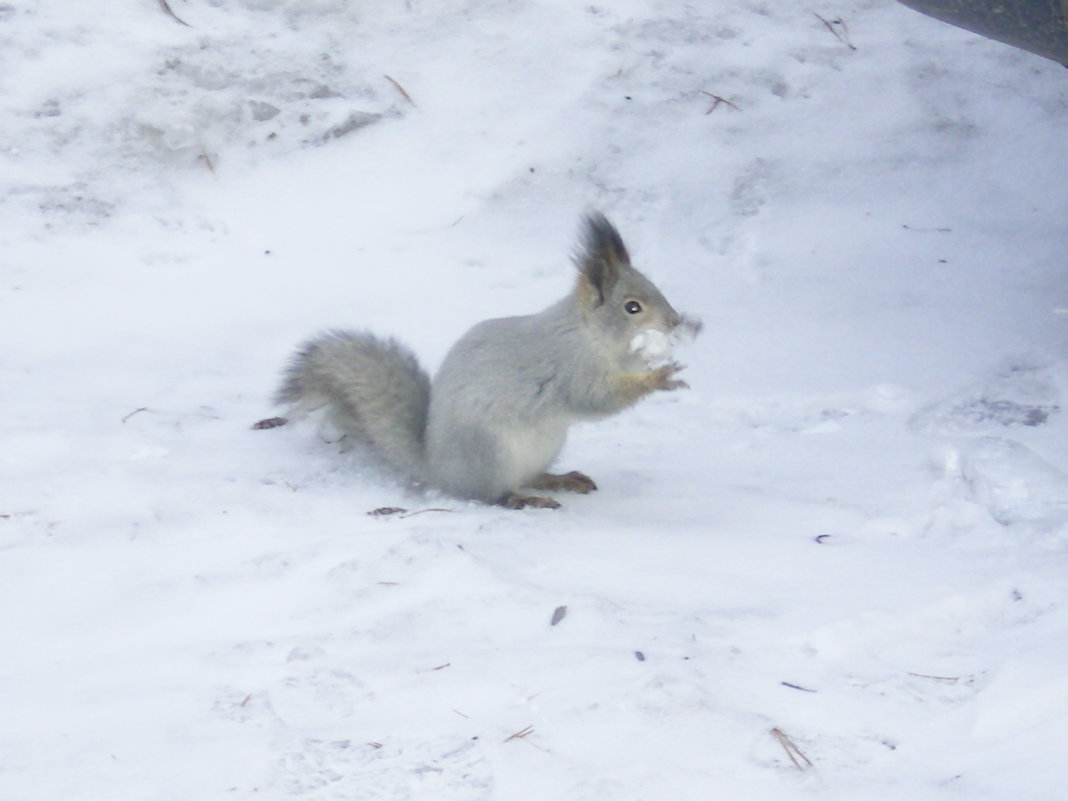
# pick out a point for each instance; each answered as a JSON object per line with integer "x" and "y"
{"x": 528, "y": 452}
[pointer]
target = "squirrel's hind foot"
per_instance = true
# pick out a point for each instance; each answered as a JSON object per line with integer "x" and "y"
{"x": 567, "y": 482}
{"x": 514, "y": 500}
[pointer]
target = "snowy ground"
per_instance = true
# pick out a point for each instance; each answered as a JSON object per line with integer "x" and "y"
{"x": 834, "y": 569}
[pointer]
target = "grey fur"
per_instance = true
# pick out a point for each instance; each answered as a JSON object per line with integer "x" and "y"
{"x": 373, "y": 390}
{"x": 507, "y": 391}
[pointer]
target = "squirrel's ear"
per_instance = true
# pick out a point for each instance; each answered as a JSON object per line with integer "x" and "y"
{"x": 601, "y": 258}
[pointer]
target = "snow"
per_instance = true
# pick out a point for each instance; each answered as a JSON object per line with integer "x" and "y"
{"x": 832, "y": 569}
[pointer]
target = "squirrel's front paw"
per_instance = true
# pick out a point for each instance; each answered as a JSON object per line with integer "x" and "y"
{"x": 664, "y": 377}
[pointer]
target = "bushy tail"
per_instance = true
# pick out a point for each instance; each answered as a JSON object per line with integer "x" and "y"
{"x": 372, "y": 389}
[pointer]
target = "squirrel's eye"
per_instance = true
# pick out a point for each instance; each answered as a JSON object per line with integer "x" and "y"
{"x": 632, "y": 307}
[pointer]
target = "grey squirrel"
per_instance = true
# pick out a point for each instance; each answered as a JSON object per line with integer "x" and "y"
{"x": 497, "y": 412}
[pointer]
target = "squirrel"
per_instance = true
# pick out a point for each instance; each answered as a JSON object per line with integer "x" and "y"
{"x": 496, "y": 414}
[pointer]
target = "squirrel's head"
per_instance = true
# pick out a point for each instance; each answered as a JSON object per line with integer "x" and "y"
{"x": 624, "y": 309}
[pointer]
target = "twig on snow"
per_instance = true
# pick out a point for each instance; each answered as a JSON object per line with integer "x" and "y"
{"x": 927, "y": 230}
{"x": 135, "y": 411}
{"x": 841, "y": 33}
{"x": 422, "y": 511}
{"x": 946, "y": 679}
{"x": 170, "y": 13}
{"x": 718, "y": 101}
{"x": 797, "y": 687}
{"x": 400, "y": 89}
{"x": 401, "y": 512}
{"x": 519, "y": 735}
{"x": 796, "y": 755}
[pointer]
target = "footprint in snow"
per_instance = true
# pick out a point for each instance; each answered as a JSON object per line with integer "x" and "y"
{"x": 442, "y": 768}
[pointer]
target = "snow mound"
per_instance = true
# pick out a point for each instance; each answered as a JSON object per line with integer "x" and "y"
{"x": 1015, "y": 484}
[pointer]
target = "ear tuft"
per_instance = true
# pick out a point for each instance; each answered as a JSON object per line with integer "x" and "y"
{"x": 601, "y": 257}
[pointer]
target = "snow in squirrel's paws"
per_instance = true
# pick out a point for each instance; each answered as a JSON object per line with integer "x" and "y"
{"x": 653, "y": 345}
